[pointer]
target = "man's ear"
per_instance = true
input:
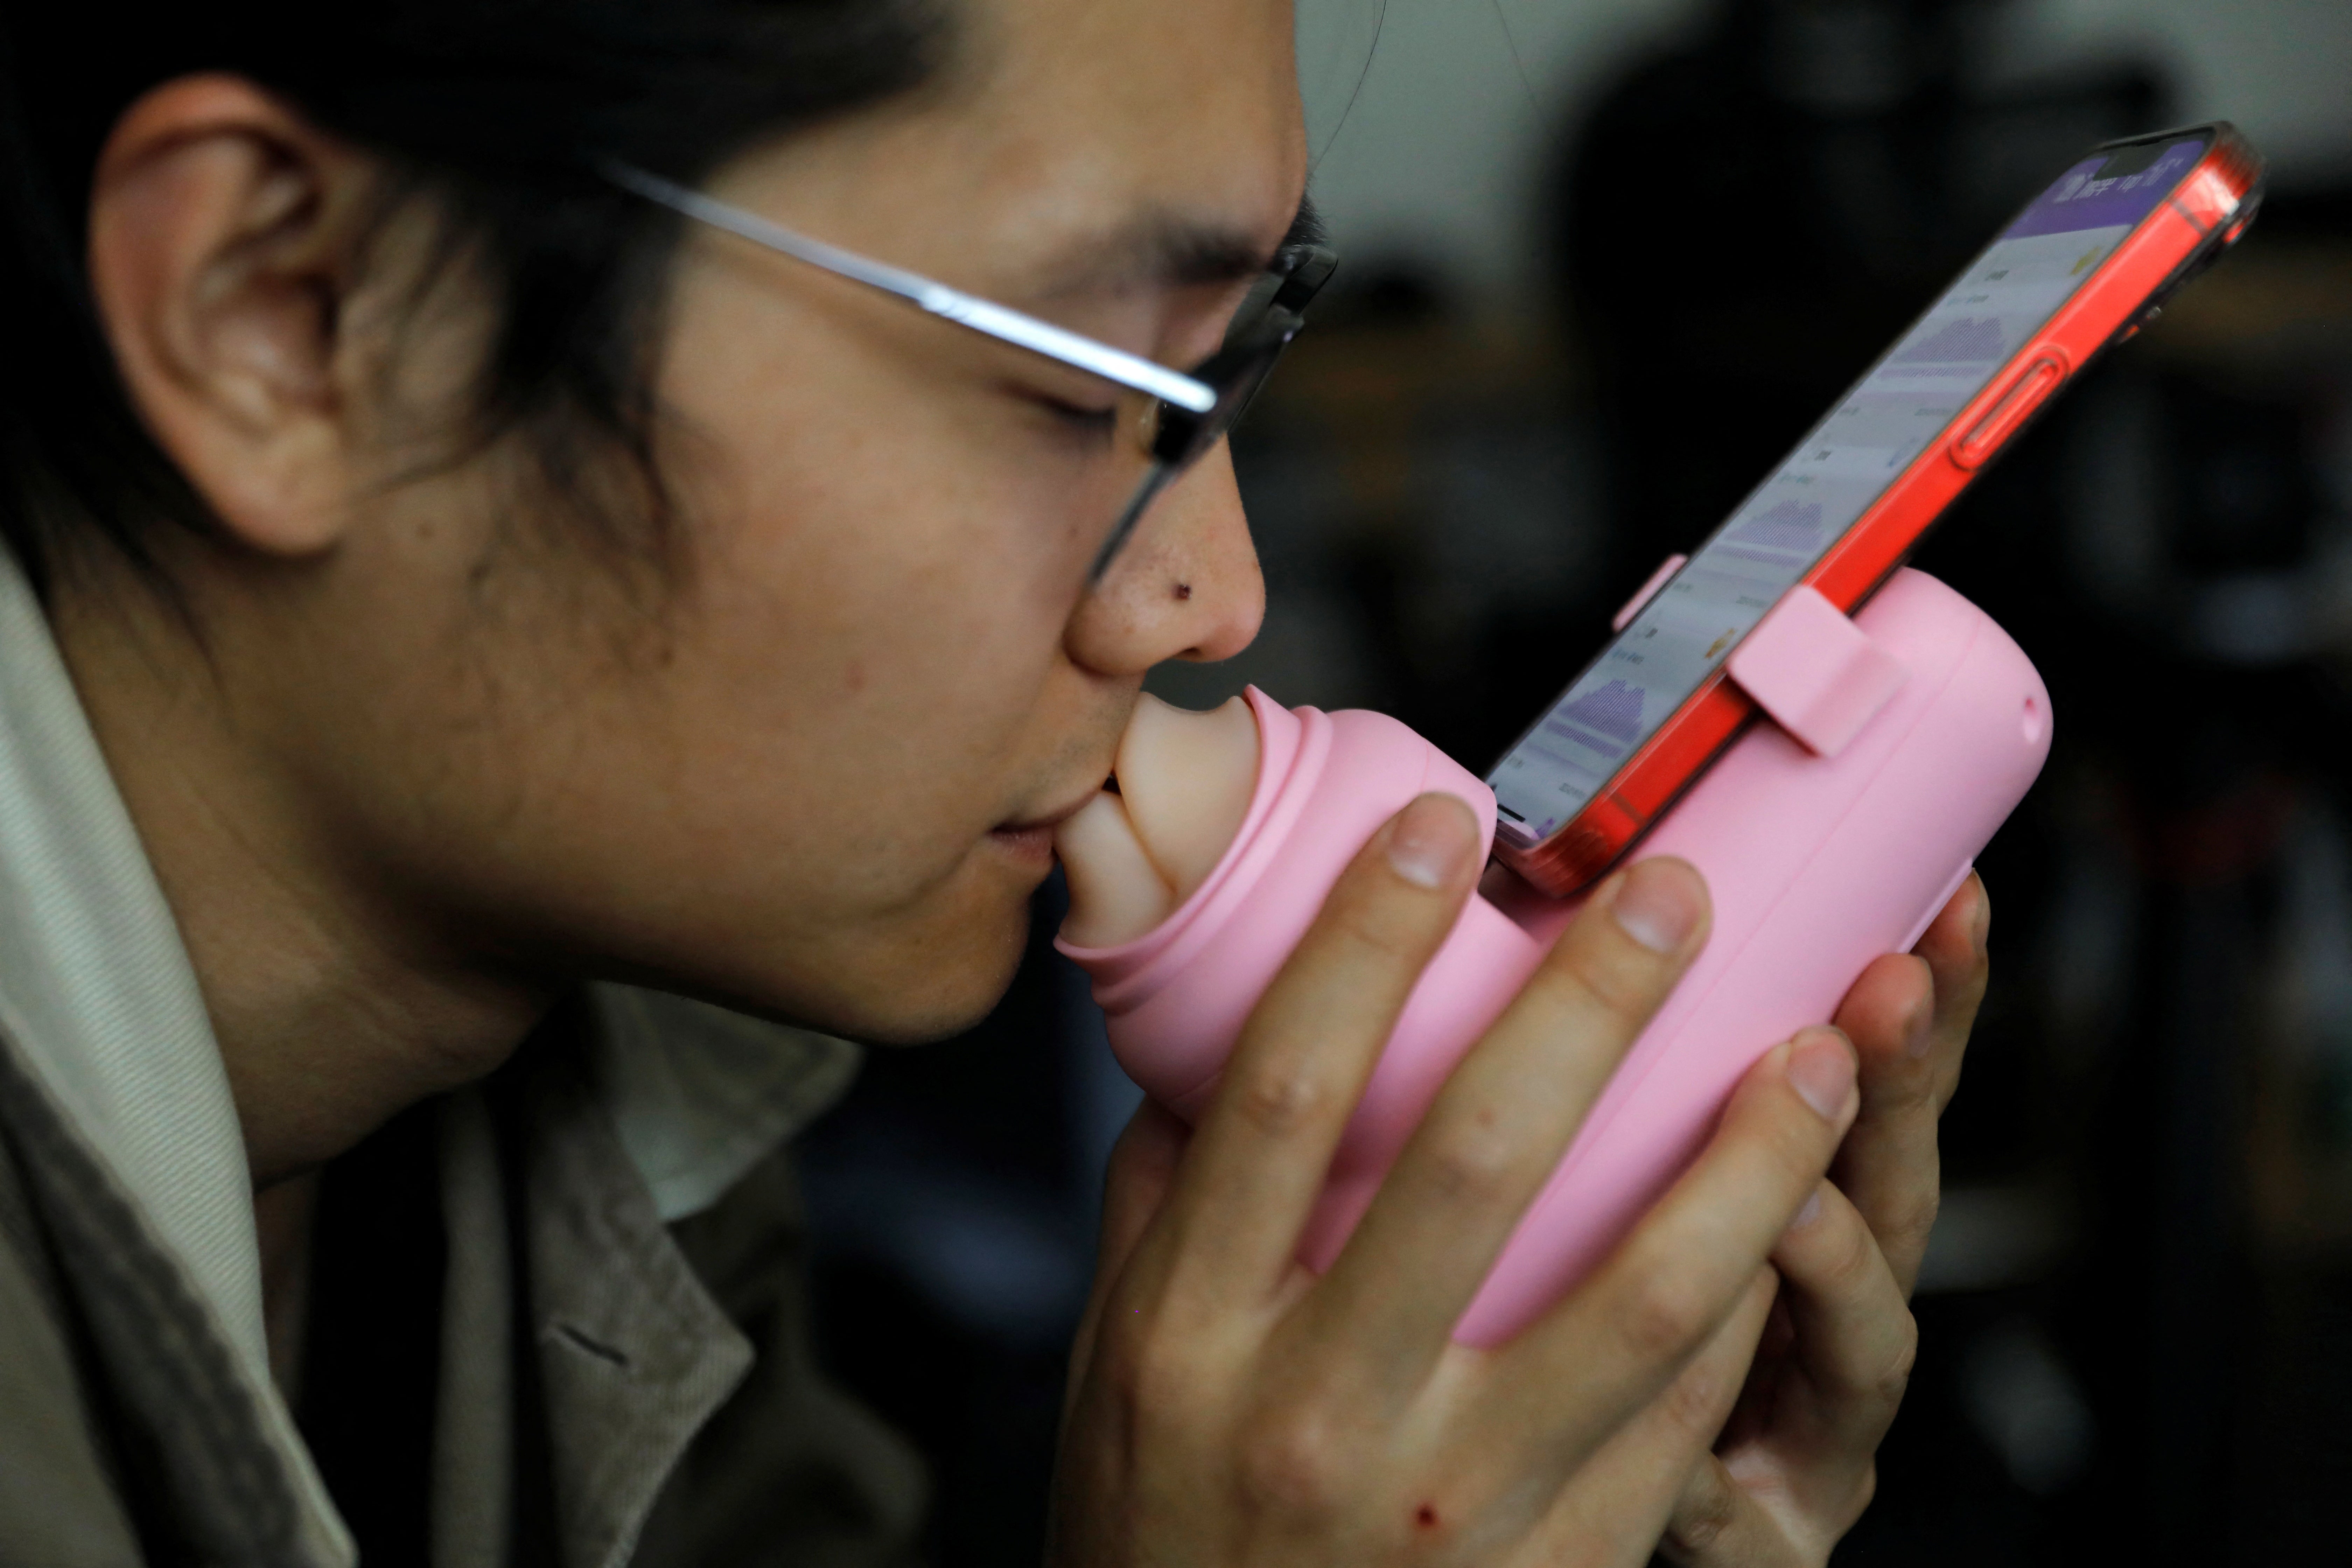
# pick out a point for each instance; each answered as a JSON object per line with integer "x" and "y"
{"x": 222, "y": 233}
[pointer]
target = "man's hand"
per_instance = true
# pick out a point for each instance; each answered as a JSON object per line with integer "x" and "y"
{"x": 1795, "y": 1467}
{"x": 1228, "y": 1407}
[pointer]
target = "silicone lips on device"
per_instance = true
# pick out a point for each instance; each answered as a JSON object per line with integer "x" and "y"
{"x": 1922, "y": 727}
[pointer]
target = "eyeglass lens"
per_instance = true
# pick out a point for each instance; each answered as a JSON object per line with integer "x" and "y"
{"x": 1173, "y": 438}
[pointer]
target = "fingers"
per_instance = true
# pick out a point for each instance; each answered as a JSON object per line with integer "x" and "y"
{"x": 1623, "y": 1335}
{"x": 1955, "y": 950}
{"x": 1909, "y": 1017}
{"x": 1854, "y": 1339}
{"x": 1259, "y": 1157}
{"x": 1497, "y": 1128}
{"x": 1890, "y": 1167}
{"x": 1716, "y": 1523}
{"x": 1786, "y": 1493}
{"x": 1616, "y": 1506}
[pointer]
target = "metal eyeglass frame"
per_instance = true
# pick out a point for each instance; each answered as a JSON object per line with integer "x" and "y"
{"x": 1189, "y": 412}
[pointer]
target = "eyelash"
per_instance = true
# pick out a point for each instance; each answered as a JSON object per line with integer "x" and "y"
{"x": 1095, "y": 421}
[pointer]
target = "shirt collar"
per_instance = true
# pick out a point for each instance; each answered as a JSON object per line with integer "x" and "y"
{"x": 699, "y": 1095}
{"x": 98, "y": 993}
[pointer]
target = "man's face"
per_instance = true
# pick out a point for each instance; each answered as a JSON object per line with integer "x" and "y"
{"x": 815, "y": 773}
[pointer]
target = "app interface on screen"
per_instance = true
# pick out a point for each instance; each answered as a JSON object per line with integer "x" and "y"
{"x": 1908, "y": 399}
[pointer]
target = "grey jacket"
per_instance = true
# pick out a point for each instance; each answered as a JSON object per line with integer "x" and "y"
{"x": 623, "y": 1337}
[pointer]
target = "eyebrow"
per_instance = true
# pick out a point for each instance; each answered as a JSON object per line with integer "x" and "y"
{"x": 1179, "y": 253}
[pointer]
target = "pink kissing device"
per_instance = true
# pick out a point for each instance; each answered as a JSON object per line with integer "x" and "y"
{"x": 1898, "y": 742}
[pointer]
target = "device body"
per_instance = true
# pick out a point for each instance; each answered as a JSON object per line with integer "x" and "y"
{"x": 2079, "y": 268}
{"x": 1931, "y": 725}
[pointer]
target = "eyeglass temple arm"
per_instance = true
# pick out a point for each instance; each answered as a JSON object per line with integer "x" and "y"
{"x": 1154, "y": 481}
{"x": 965, "y": 309}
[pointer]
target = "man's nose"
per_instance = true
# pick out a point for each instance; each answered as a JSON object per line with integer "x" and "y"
{"x": 1186, "y": 586}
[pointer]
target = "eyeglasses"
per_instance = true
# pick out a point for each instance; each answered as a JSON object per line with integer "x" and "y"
{"x": 1165, "y": 418}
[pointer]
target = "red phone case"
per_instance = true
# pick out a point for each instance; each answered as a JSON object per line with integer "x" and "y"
{"x": 2204, "y": 213}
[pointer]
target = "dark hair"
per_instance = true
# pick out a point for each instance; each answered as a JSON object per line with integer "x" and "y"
{"x": 492, "y": 108}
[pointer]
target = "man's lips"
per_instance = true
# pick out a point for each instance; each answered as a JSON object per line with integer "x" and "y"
{"x": 1048, "y": 821}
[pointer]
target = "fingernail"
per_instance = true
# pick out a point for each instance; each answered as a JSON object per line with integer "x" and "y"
{"x": 1432, "y": 838}
{"x": 1821, "y": 1069}
{"x": 1810, "y": 1213}
{"x": 1658, "y": 905}
{"x": 1984, "y": 918}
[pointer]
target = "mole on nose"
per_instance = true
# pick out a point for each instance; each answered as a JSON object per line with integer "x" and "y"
{"x": 1184, "y": 785}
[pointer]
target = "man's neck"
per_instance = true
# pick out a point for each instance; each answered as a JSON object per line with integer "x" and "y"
{"x": 334, "y": 1007}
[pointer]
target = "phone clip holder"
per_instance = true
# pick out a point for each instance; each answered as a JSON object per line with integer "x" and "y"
{"x": 1806, "y": 664}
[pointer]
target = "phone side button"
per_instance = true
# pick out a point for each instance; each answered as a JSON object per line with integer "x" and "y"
{"x": 1646, "y": 592}
{"x": 2027, "y": 392}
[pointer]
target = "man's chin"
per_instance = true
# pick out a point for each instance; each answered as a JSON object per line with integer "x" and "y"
{"x": 944, "y": 982}
{"x": 944, "y": 1006}
{"x": 933, "y": 971}
{"x": 945, "y": 999}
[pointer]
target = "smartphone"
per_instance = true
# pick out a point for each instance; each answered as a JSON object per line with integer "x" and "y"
{"x": 2082, "y": 267}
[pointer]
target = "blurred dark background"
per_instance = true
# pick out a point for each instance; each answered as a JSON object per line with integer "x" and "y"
{"x": 1605, "y": 263}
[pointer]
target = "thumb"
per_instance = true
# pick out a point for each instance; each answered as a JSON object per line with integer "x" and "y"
{"x": 1142, "y": 1167}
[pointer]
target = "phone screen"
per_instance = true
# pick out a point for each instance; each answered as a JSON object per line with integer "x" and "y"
{"x": 1783, "y": 528}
